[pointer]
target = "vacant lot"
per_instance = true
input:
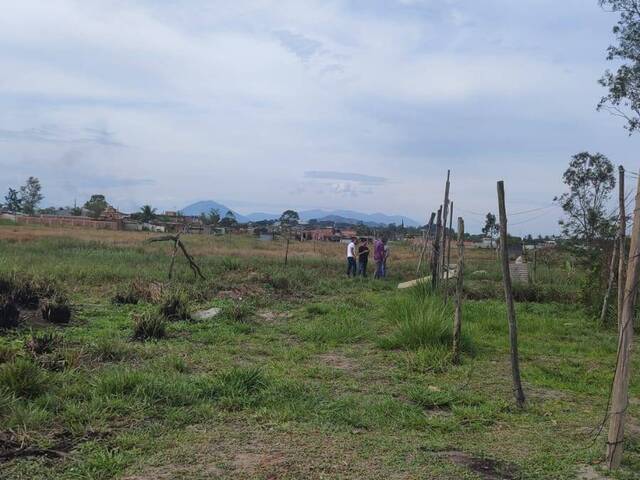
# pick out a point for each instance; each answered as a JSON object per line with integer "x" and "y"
{"x": 303, "y": 373}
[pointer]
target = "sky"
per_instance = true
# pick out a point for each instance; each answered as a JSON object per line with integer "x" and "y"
{"x": 268, "y": 105}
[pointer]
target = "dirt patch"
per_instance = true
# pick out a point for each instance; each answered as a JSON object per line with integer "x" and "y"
{"x": 337, "y": 360}
{"x": 488, "y": 469}
{"x": 587, "y": 472}
{"x": 271, "y": 318}
{"x": 251, "y": 463}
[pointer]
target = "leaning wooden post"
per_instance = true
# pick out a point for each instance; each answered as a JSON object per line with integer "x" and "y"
{"x": 613, "y": 267}
{"x": 620, "y": 396}
{"x": 622, "y": 247}
{"x": 435, "y": 255}
{"x": 449, "y": 248}
{"x": 445, "y": 215}
{"x": 511, "y": 311}
{"x": 286, "y": 252}
{"x": 457, "y": 319}
{"x": 425, "y": 240}
{"x": 173, "y": 255}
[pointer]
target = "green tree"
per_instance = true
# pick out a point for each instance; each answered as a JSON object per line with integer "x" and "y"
{"x": 623, "y": 97}
{"x": 147, "y": 213}
{"x": 30, "y": 195}
{"x": 211, "y": 218}
{"x": 96, "y": 205}
{"x": 590, "y": 180}
{"x": 491, "y": 227}
{"x": 76, "y": 211}
{"x": 229, "y": 219}
{"x": 289, "y": 218}
{"x": 13, "y": 201}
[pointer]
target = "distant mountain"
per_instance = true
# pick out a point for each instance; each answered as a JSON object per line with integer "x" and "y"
{"x": 206, "y": 206}
{"x": 338, "y": 216}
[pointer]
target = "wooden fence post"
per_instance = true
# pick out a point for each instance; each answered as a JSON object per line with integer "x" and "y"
{"x": 613, "y": 267}
{"x": 457, "y": 319}
{"x": 511, "y": 311}
{"x": 445, "y": 214}
{"x": 448, "y": 254}
{"x": 622, "y": 247}
{"x": 425, "y": 237}
{"x": 620, "y": 396}
{"x": 435, "y": 254}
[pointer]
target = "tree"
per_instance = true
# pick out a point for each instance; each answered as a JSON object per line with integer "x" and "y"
{"x": 96, "y": 205}
{"x": 289, "y": 218}
{"x": 623, "y": 98}
{"x": 147, "y": 213}
{"x": 491, "y": 227}
{"x": 211, "y": 218}
{"x": 590, "y": 180}
{"x": 30, "y": 195}
{"x": 13, "y": 201}
{"x": 76, "y": 211}
{"x": 229, "y": 219}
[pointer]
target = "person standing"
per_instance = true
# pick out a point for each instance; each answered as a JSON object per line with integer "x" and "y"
{"x": 351, "y": 257}
{"x": 363, "y": 257}
{"x": 378, "y": 257}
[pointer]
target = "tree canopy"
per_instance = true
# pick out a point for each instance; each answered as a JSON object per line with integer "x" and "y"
{"x": 590, "y": 180}
{"x": 96, "y": 205}
{"x": 623, "y": 97}
{"x": 289, "y": 218}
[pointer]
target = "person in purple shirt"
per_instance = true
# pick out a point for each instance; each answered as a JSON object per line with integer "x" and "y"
{"x": 378, "y": 257}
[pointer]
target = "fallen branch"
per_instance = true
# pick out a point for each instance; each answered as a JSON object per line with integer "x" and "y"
{"x": 178, "y": 243}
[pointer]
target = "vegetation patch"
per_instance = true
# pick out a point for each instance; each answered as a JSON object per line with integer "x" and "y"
{"x": 175, "y": 306}
{"x": 148, "y": 326}
{"x": 56, "y": 310}
{"x": 9, "y": 313}
{"x": 23, "y": 378}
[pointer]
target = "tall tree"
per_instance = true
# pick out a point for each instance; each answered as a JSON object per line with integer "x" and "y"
{"x": 590, "y": 180}
{"x": 623, "y": 98}
{"x": 491, "y": 227}
{"x": 30, "y": 195}
{"x": 229, "y": 219}
{"x": 96, "y": 205}
{"x": 289, "y": 218}
{"x": 147, "y": 213}
{"x": 13, "y": 201}
{"x": 211, "y": 218}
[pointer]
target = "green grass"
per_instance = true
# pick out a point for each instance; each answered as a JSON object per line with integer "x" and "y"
{"x": 342, "y": 378}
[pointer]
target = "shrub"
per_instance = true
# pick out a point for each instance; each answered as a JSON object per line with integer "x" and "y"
{"x": 147, "y": 326}
{"x": 9, "y": 314}
{"x": 56, "y": 310}
{"x": 23, "y": 378}
{"x": 175, "y": 306}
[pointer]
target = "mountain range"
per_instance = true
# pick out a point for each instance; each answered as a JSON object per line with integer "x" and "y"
{"x": 338, "y": 216}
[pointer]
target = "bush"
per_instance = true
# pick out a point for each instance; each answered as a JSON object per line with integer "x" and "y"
{"x": 56, "y": 310}
{"x": 147, "y": 326}
{"x": 175, "y": 306}
{"x": 23, "y": 378}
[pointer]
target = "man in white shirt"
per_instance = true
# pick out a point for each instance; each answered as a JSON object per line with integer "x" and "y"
{"x": 351, "y": 257}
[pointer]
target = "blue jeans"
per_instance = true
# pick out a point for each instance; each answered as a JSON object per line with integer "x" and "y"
{"x": 362, "y": 267}
{"x": 379, "y": 270}
{"x": 351, "y": 266}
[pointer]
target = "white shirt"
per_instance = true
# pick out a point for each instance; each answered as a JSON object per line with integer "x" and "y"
{"x": 351, "y": 250}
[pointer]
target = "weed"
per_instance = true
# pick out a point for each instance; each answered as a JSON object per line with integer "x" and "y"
{"x": 23, "y": 378}
{"x": 175, "y": 306}
{"x": 57, "y": 309}
{"x": 147, "y": 326}
{"x": 239, "y": 311}
{"x": 40, "y": 343}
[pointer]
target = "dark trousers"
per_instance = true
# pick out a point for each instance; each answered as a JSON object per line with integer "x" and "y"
{"x": 362, "y": 267}
{"x": 379, "y": 269}
{"x": 351, "y": 266}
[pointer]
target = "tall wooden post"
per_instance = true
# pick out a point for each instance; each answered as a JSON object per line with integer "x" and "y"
{"x": 622, "y": 247}
{"x": 613, "y": 269}
{"x": 620, "y": 396}
{"x": 457, "y": 319}
{"x": 445, "y": 214}
{"x": 435, "y": 255}
{"x": 425, "y": 239}
{"x": 448, "y": 255}
{"x": 511, "y": 311}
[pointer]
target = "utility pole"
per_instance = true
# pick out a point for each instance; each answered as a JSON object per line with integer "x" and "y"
{"x": 620, "y": 396}
{"x": 508, "y": 293}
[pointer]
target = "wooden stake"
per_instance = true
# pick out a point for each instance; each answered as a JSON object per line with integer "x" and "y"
{"x": 173, "y": 256}
{"x": 435, "y": 255}
{"x": 613, "y": 267}
{"x": 445, "y": 214}
{"x": 448, "y": 251}
{"x": 620, "y": 397}
{"x": 425, "y": 238}
{"x": 622, "y": 247}
{"x": 508, "y": 293}
{"x": 286, "y": 252}
{"x": 457, "y": 319}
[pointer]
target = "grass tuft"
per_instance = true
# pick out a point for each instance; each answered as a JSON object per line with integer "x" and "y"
{"x": 239, "y": 311}
{"x": 23, "y": 378}
{"x": 175, "y": 306}
{"x": 148, "y": 326}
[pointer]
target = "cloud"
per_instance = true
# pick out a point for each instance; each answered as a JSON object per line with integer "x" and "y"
{"x": 347, "y": 176}
{"x": 300, "y": 45}
{"x": 61, "y": 135}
